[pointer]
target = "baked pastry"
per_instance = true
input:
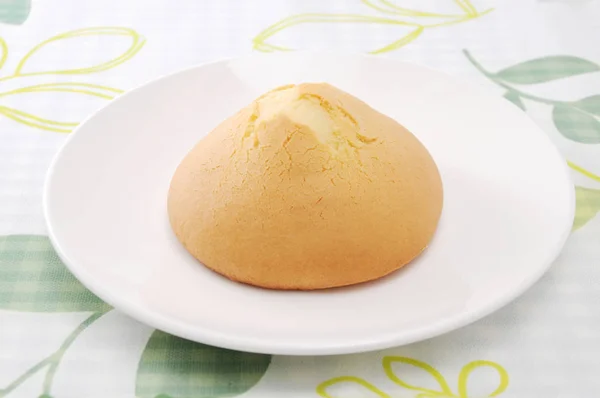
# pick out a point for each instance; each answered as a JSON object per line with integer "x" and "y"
{"x": 306, "y": 188}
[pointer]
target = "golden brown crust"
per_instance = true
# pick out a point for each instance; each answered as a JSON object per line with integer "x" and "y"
{"x": 308, "y": 190}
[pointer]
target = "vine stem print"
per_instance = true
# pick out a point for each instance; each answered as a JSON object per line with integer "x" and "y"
{"x": 33, "y": 279}
{"x": 578, "y": 121}
{"x": 52, "y": 362}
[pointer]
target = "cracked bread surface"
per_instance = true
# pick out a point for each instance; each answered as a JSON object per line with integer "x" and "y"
{"x": 306, "y": 188}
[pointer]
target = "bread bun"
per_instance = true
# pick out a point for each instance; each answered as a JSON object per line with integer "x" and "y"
{"x": 306, "y": 188}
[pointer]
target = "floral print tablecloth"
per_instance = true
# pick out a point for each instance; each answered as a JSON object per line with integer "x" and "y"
{"x": 62, "y": 59}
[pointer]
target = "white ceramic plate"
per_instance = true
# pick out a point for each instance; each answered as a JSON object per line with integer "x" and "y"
{"x": 508, "y": 209}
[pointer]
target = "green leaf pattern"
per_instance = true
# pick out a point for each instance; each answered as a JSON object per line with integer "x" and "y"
{"x": 588, "y": 205}
{"x": 546, "y": 69}
{"x": 14, "y": 12}
{"x": 578, "y": 121}
{"x": 576, "y": 124}
{"x": 575, "y": 120}
{"x": 172, "y": 367}
{"x": 590, "y": 105}
{"x": 32, "y": 278}
{"x": 515, "y": 99}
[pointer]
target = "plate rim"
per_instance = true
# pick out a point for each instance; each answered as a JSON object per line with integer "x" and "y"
{"x": 253, "y": 345}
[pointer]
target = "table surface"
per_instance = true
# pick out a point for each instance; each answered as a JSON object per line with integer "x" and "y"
{"x": 62, "y": 59}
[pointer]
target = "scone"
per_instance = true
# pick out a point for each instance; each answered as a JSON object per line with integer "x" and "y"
{"x": 306, "y": 188}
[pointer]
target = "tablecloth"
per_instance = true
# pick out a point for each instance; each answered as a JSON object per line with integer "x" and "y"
{"x": 62, "y": 59}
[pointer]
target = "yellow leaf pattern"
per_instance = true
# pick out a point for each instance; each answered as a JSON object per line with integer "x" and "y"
{"x": 360, "y": 383}
{"x": 394, "y": 16}
{"x": 3, "y": 52}
{"x": 403, "y": 41}
{"x": 36, "y": 121}
{"x": 467, "y": 7}
{"x": 78, "y": 88}
{"x": 391, "y": 8}
{"x": 136, "y": 44}
{"x": 443, "y": 391}
{"x": 470, "y": 367}
{"x": 439, "y": 379}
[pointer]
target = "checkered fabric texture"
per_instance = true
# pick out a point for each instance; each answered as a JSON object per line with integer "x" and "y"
{"x": 33, "y": 279}
{"x": 62, "y": 59}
